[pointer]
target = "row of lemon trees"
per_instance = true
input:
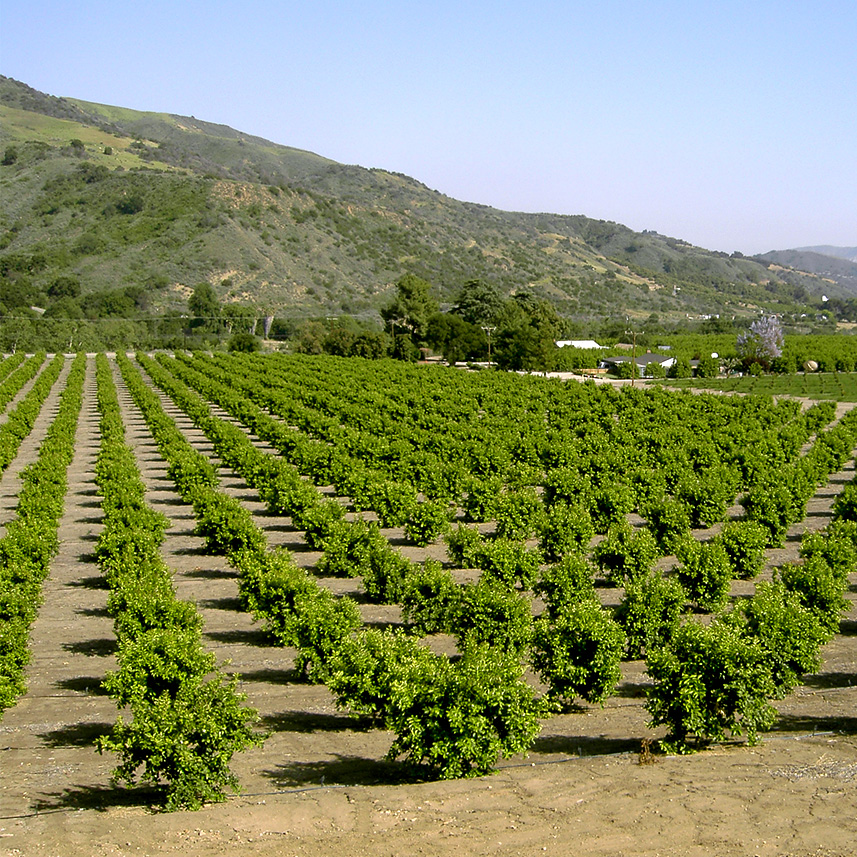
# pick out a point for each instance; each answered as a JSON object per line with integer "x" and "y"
{"x": 575, "y": 644}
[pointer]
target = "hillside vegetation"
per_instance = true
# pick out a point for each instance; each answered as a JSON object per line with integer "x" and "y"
{"x": 143, "y": 206}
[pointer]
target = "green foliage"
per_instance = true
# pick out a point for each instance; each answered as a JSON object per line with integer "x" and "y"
{"x": 348, "y": 547}
{"x": 187, "y": 721}
{"x": 526, "y": 332}
{"x": 564, "y": 529}
{"x": 650, "y": 612}
{"x": 744, "y": 543}
{"x": 567, "y": 484}
{"x": 428, "y": 520}
{"x": 709, "y": 680}
{"x": 669, "y": 522}
{"x": 836, "y": 545}
{"x": 367, "y": 667}
{"x": 706, "y": 496}
{"x": 771, "y": 504}
{"x": 655, "y": 370}
{"x": 431, "y": 600}
{"x": 312, "y": 620}
{"x": 318, "y": 521}
{"x": 790, "y": 634}
{"x": 819, "y": 588}
{"x": 412, "y": 307}
{"x": 392, "y": 501}
{"x": 243, "y": 342}
{"x": 482, "y": 499}
{"x": 455, "y": 338}
{"x": 508, "y": 562}
{"x": 478, "y": 303}
{"x": 845, "y": 504}
{"x": 457, "y": 719}
{"x": 385, "y": 572}
{"x": 491, "y": 613}
{"x": 577, "y": 651}
{"x": 626, "y": 554}
{"x": 519, "y": 514}
{"x": 705, "y": 573}
{"x": 31, "y": 541}
{"x": 566, "y": 583}
{"x": 680, "y": 369}
{"x": 611, "y": 502}
{"x": 225, "y": 524}
{"x": 463, "y": 545}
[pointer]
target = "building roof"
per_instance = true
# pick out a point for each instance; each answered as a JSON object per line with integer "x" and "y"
{"x": 579, "y": 343}
{"x": 642, "y": 360}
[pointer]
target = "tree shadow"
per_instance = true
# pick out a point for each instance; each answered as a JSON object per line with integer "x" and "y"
{"x": 848, "y": 627}
{"x": 76, "y": 735}
{"x": 251, "y": 637}
{"x": 280, "y": 525}
{"x": 83, "y": 684}
{"x": 194, "y": 551}
{"x": 632, "y": 689}
{"x": 210, "y": 573}
{"x": 301, "y": 546}
{"x": 99, "y": 647}
{"x": 171, "y": 501}
{"x": 806, "y": 723}
{"x": 231, "y": 604}
{"x": 94, "y": 581}
{"x": 384, "y": 624}
{"x": 95, "y": 612}
{"x": 98, "y": 798}
{"x": 308, "y": 721}
{"x": 585, "y": 745}
{"x": 831, "y": 680}
{"x": 272, "y": 676}
{"x": 343, "y": 770}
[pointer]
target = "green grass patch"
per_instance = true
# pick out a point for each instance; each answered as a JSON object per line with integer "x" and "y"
{"x": 835, "y": 386}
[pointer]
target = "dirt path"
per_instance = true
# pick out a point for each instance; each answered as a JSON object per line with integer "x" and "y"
{"x": 47, "y": 737}
{"x": 320, "y": 783}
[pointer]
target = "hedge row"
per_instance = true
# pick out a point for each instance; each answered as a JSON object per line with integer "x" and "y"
{"x": 30, "y": 541}
{"x": 452, "y": 717}
{"x": 187, "y": 719}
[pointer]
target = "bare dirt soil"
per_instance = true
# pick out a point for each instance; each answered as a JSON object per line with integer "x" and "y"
{"x": 320, "y": 784}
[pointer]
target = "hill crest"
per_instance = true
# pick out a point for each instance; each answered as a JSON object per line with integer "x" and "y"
{"x": 304, "y": 235}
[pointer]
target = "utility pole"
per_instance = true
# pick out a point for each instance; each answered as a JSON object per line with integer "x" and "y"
{"x": 633, "y": 335}
{"x": 488, "y": 331}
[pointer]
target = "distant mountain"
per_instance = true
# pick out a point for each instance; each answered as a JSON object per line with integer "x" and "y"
{"x": 839, "y": 267}
{"x": 847, "y": 253}
{"x": 140, "y": 207}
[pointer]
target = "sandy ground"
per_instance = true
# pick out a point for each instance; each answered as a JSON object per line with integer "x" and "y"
{"x": 320, "y": 784}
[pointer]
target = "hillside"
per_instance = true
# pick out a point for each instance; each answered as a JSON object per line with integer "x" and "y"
{"x": 837, "y": 265}
{"x": 148, "y": 204}
{"x": 847, "y": 253}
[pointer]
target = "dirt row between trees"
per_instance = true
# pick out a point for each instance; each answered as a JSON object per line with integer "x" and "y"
{"x": 320, "y": 782}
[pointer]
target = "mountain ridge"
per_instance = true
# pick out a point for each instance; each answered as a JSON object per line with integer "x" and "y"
{"x": 119, "y": 196}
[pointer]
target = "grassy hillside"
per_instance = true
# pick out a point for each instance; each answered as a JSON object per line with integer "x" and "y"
{"x": 837, "y": 269}
{"x": 121, "y": 199}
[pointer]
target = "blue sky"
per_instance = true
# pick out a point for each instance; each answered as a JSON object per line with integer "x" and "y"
{"x": 732, "y": 125}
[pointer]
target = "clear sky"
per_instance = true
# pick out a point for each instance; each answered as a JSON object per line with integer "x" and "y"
{"x": 730, "y": 124}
